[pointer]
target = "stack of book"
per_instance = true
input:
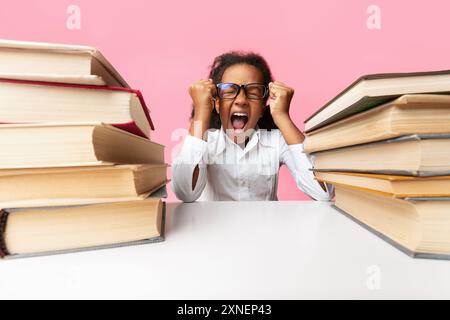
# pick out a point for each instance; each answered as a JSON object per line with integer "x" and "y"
{"x": 384, "y": 143}
{"x": 78, "y": 169}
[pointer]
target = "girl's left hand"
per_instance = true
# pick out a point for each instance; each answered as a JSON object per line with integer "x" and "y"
{"x": 280, "y": 97}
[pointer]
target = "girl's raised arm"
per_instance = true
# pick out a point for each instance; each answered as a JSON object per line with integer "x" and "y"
{"x": 189, "y": 169}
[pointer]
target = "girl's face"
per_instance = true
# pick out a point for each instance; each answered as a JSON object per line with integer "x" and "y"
{"x": 240, "y": 114}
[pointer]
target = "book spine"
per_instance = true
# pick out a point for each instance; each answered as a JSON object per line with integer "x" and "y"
{"x": 3, "y": 219}
{"x": 144, "y": 107}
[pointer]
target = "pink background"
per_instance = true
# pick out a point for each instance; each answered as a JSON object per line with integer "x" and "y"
{"x": 318, "y": 47}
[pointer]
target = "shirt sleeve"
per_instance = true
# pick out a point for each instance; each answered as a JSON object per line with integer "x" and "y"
{"x": 192, "y": 153}
{"x": 299, "y": 164}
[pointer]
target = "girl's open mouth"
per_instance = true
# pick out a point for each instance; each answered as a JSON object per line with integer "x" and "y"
{"x": 238, "y": 121}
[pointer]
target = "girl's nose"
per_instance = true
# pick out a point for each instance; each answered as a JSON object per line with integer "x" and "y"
{"x": 241, "y": 98}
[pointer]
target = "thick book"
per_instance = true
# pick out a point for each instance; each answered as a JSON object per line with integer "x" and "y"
{"x": 413, "y": 155}
{"x": 27, "y": 232}
{"x": 390, "y": 185}
{"x": 23, "y": 101}
{"x": 57, "y": 63}
{"x": 71, "y": 145}
{"x": 409, "y": 114}
{"x": 373, "y": 90}
{"x": 418, "y": 227}
{"x": 38, "y": 187}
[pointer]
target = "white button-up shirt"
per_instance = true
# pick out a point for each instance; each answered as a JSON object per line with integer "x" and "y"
{"x": 229, "y": 172}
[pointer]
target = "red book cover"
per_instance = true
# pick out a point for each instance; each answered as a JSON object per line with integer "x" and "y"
{"x": 130, "y": 126}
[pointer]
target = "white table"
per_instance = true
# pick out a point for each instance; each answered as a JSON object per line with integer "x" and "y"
{"x": 237, "y": 250}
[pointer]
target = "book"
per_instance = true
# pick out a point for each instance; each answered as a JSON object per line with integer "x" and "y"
{"x": 390, "y": 185}
{"x": 70, "y": 145}
{"x": 413, "y": 155}
{"x": 23, "y": 101}
{"x": 373, "y": 90}
{"x": 407, "y": 115}
{"x": 38, "y": 187}
{"x": 57, "y": 62}
{"x": 29, "y": 232}
{"x": 420, "y": 228}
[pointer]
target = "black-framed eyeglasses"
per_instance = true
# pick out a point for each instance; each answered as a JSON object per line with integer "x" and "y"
{"x": 253, "y": 91}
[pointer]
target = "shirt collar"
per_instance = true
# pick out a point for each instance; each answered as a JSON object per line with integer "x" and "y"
{"x": 258, "y": 136}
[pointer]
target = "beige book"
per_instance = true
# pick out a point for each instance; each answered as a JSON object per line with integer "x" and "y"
{"x": 71, "y": 145}
{"x": 33, "y": 102}
{"x": 79, "y": 185}
{"x": 390, "y": 185}
{"x": 57, "y": 62}
{"x": 409, "y": 114}
{"x": 51, "y": 230}
{"x": 420, "y": 228}
{"x": 375, "y": 89}
{"x": 415, "y": 155}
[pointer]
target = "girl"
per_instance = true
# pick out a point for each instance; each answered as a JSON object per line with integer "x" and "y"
{"x": 236, "y": 144}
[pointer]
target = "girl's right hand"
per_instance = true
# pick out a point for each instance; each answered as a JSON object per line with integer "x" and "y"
{"x": 202, "y": 93}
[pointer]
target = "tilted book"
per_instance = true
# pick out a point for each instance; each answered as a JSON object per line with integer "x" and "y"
{"x": 407, "y": 115}
{"x": 373, "y": 90}
{"x": 63, "y": 63}
{"x": 71, "y": 145}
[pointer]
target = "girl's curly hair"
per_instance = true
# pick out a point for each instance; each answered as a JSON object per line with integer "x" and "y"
{"x": 226, "y": 60}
